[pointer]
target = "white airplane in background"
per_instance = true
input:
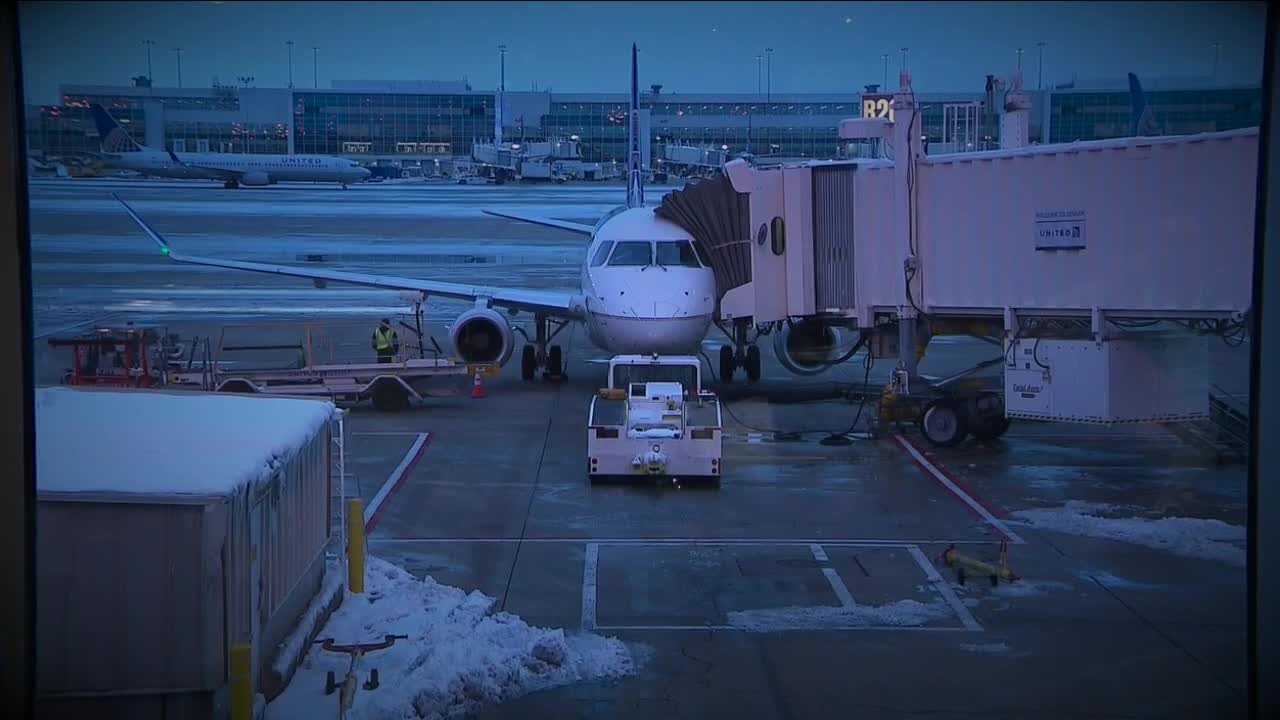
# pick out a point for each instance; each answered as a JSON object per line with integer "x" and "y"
{"x": 646, "y": 287}
{"x": 233, "y": 169}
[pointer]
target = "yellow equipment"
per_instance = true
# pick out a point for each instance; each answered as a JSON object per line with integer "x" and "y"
{"x": 961, "y": 563}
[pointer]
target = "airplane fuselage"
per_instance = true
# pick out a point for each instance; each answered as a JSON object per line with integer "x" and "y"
{"x": 646, "y": 288}
{"x": 251, "y": 168}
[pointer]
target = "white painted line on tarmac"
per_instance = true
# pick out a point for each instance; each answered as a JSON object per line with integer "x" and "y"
{"x": 833, "y": 577}
{"x": 589, "y": 569}
{"x": 944, "y": 589}
{"x": 817, "y": 626}
{"x": 393, "y": 480}
{"x": 385, "y": 432}
{"x": 967, "y": 499}
{"x": 764, "y": 542}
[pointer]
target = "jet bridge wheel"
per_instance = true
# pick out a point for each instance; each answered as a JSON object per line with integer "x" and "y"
{"x": 943, "y": 423}
{"x": 986, "y": 416}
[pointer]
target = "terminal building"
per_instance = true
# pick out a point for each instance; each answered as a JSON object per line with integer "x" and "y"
{"x": 416, "y": 123}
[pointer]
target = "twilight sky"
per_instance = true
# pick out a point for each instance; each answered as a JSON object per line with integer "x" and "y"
{"x": 686, "y": 46}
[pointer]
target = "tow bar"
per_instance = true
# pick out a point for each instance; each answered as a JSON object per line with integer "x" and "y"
{"x": 356, "y": 651}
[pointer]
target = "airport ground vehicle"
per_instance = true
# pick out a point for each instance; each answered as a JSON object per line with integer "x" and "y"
{"x": 325, "y": 359}
{"x": 127, "y": 356}
{"x": 654, "y": 419}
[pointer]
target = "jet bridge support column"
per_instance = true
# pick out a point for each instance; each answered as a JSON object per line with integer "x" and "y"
{"x": 907, "y": 148}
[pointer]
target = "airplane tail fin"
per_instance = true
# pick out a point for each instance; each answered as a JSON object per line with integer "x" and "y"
{"x": 635, "y": 179}
{"x": 111, "y": 137}
{"x": 1144, "y": 121}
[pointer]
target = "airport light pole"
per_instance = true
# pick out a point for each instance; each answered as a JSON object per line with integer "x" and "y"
{"x": 768, "y": 69}
{"x": 759, "y": 75}
{"x": 178, "y": 52}
{"x": 147, "y": 44}
{"x": 1040, "y": 66}
{"x": 904, "y": 58}
{"x": 1019, "y": 58}
{"x": 1216, "y": 48}
{"x": 884, "y": 84}
{"x": 315, "y": 66}
{"x": 289, "y": 44}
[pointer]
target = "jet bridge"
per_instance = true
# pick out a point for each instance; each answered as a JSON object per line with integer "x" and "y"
{"x": 1061, "y": 252}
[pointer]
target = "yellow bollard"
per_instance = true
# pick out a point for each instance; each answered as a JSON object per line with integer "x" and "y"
{"x": 355, "y": 545}
{"x": 241, "y": 682}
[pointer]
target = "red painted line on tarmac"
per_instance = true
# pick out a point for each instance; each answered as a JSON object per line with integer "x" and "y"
{"x": 391, "y": 494}
{"x": 981, "y": 508}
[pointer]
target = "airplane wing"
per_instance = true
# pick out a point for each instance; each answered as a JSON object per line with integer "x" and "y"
{"x": 549, "y": 222}
{"x": 560, "y": 304}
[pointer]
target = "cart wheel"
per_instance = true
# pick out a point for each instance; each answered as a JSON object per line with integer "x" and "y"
{"x": 726, "y": 364}
{"x": 986, "y": 416}
{"x": 390, "y": 397}
{"x": 330, "y": 683}
{"x": 528, "y": 363}
{"x": 960, "y": 575}
{"x": 943, "y": 424}
{"x": 372, "y": 682}
{"x": 752, "y": 363}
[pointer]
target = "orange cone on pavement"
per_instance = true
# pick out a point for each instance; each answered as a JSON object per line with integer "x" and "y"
{"x": 477, "y": 387}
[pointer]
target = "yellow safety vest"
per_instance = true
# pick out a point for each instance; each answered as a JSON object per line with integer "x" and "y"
{"x": 382, "y": 338}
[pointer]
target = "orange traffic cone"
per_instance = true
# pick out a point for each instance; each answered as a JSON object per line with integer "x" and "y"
{"x": 477, "y": 387}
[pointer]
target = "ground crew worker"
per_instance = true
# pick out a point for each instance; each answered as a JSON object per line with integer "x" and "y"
{"x": 385, "y": 341}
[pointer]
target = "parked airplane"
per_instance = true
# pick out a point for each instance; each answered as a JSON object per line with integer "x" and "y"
{"x": 233, "y": 169}
{"x": 646, "y": 286}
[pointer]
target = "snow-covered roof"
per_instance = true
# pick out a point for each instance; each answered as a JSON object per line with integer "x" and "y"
{"x": 166, "y": 444}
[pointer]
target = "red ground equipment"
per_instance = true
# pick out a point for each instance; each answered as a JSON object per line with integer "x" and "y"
{"x": 117, "y": 357}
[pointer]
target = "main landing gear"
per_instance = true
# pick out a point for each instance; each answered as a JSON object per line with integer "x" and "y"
{"x": 743, "y": 354}
{"x": 538, "y": 353}
{"x": 231, "y": 184}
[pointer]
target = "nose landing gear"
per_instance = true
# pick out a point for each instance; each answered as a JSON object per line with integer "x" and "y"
{"x": 742, "y": 355}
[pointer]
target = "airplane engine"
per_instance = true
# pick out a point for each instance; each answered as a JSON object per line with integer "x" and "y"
{"x": 255, "y": 179}
{"x": 482, "y": 335}
{"x": 807, "y": 347}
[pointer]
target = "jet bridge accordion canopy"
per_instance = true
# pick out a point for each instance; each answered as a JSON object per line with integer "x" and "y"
{"x": 716, "y": 216}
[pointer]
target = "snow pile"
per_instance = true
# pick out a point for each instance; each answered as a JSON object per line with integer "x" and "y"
{"x": 161, "y": 443}
{"x": 459, "y": 655}
{"x": 903, "y": 613}
{"x": 294, "y": 645}
{"x": 1189, "y": 537}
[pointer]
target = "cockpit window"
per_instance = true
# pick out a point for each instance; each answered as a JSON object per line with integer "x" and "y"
{"x": 678, "y": 254}
{"x": 632, "y": 254}
{"x": 602, "y": 253}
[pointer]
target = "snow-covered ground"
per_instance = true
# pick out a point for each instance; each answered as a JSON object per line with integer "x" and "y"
{"x": 1190, "y": 537}
{"x": 459, "y": 655}
{"x": 903, "y": 613}
{"x": 162, "y": 443}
